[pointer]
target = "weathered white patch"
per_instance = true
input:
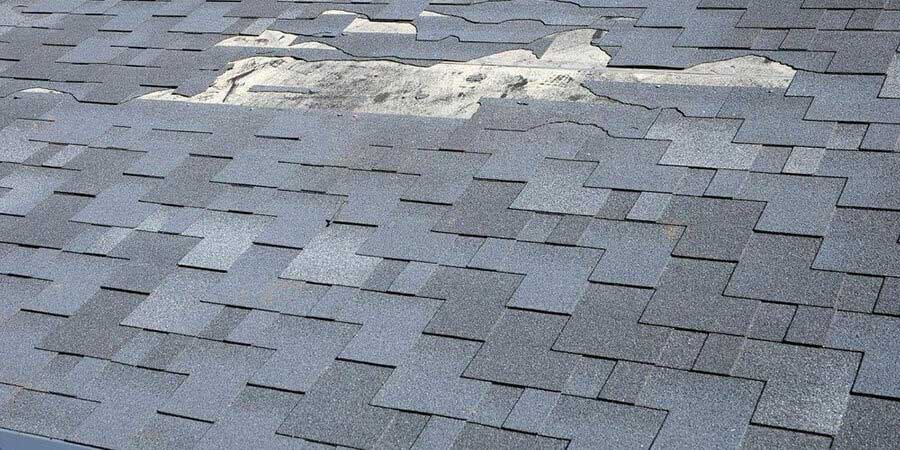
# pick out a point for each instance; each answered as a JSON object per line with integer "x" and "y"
{"x": 571, "y": 50}
{"x": 266, "y": 39}
{"x": 272, "y": 39}
{"x": 363, "y": 25}
{"x": 742, "y": 71}
{"x": 42, "y": 91}
{"x": 444, "y": 90}
{"x": 336, "y": 12}
{"x": 449, "y": 89}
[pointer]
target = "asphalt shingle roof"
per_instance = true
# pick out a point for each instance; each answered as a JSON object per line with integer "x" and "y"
{"x": 671, "y": 265}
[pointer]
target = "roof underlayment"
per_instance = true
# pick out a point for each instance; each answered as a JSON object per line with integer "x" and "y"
{"x": 449, "y": 224}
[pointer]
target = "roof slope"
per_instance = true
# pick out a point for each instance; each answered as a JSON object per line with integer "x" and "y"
{"x": 684, "y": 233}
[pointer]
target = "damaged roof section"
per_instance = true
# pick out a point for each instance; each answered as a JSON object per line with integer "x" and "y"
{"x": 449, "y": 224}
{"x": 448, "y": 89}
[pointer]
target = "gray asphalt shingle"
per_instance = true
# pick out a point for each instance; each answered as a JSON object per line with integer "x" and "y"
{"x": 776, "y": 267}
{"x": 518, "y": 351}
{"x": 331, "y": 258}
{"x": 607, "y": 324}
{"x": 342, "y": 416}
{"x": 428, "y": 380}
{"x": 555, "y": 276}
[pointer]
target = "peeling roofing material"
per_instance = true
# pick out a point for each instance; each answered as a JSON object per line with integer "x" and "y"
{"x": 449, "y": 224}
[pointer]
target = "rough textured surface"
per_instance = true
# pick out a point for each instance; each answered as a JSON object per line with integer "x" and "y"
{"x": 684, "y": 251}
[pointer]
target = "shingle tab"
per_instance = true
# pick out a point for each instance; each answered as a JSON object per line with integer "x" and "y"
{"x": 562, "y": 271}
{"x": 337, "y": 411}
{"x": 129, "y": 397}
{"x": 428, "y": 380}
{"x": 519, "y": 352}
{"x": 794, "y": 204}
{"x": 477, "y": 436}
{"x": 606, "y": 323}
{"x": 177, "y": 306}
{"x": 168, "y": 432}
{"x": 296, "y": 365}
{"x": 265, "y": 409}
{"x": 690, "y": 296}
{"x": 862, "y": 241}
{"x": 558, "y": 188}
{"x": 761, "y": 273}
{"x": 591, "y": 422}
{"x": 635, "y": 254}
{"x": 331, "y": 258}
{"x": 94, "y": 329}
{"x": 483, "y": 210}
{"x": 876, "y": 336}
{"x": 470, "y": 309}
{"x": 868, "y": 421}
{"x": 700, "y": 142}
{"x": 820, "y": 386}
{"x": 390, "y": 324}
{"x": 716, "y": 408}
{"x": 229, "y": 365}
{"x": 44, "y": 414}
{"x": 714, "y": 228}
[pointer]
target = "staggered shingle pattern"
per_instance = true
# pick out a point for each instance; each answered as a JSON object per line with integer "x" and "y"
{"x": 673, "y": 267}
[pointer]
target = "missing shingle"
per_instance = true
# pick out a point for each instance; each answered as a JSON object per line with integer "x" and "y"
{"x": 442, "y": 90}
{"x": 742, "y": 71}
{"x": 447, "y": 89}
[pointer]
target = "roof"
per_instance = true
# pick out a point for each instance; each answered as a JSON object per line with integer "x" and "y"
{"x": 450, "y": 223}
